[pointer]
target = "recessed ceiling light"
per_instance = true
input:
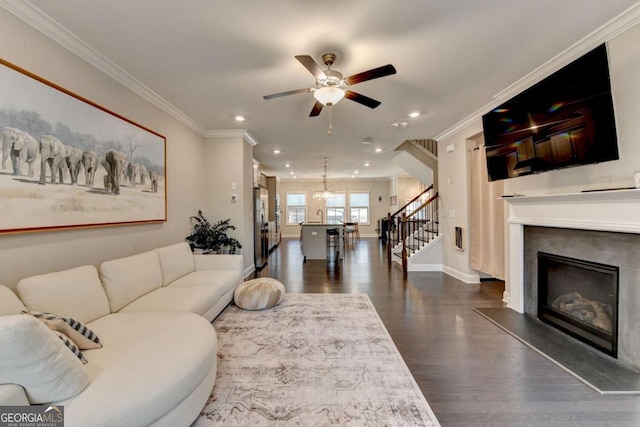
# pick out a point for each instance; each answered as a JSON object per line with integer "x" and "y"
{"x": 287, "y": 165}
{"x": 356, "y": 171}
{"x": 239, "y": 118}
{"x": 353, "y": 176}
{"x": 276, "y": 151}
{"x": 377, "y": 150}
{"x": 291, "y": 173}
{"x": 397, "y": 125}
{"x": 414, "y": 114}
{"x": 367, "y": 164}
{"x": 294, "y": 177}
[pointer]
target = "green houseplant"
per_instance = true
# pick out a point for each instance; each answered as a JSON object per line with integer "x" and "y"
{"x": 211, "y": 237}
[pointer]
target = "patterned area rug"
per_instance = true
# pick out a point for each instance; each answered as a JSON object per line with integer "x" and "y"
{"x": 315, "y": 360}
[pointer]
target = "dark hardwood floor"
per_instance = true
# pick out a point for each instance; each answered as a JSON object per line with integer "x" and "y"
{"x": 471, "y": 372}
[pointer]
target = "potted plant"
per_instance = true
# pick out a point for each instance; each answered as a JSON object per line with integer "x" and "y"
{"x": 211, "y": 238}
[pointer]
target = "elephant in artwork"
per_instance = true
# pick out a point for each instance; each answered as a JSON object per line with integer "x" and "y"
{"x": 115, "y": 161}
{"x": 21, "y": 147}
{"x": 153, "y": 176}
{"x": 107, "y": 180}
{"x": 143, "y": 174}
{"x": 73, "y": 157}
{"x": 90, "y": 164}
{"x": 133, "y": 170}
{"x": 52, "y": 152}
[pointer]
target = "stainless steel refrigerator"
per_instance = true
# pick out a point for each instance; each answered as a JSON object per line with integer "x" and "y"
{"x": 261, "y": 229}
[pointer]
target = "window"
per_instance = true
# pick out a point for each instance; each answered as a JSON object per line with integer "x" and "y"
{"x": 335, "y": 208}
{"x": 359, "y": 207}
{"x": 296, "y": 208}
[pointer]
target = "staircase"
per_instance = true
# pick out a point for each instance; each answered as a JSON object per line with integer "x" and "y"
{"x": 419, "y": 157}
{"x": 413, "y": 228}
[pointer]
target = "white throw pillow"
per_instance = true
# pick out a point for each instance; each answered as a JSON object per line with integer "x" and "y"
{"x": 34, "y": 358}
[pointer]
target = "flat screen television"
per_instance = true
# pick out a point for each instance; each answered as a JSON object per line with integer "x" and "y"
{"x": 564, "y": 120}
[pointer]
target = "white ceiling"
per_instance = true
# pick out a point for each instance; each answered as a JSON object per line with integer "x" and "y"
{"x": 215, "y": 59}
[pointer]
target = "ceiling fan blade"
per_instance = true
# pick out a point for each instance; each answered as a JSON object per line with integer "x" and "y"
{"x": 385, "y": 70}
{"x": 315, "y": 111}
{"x": 291, "y": 92}
{"x": 361, "y": 99}
{"x": 312, "y": 66}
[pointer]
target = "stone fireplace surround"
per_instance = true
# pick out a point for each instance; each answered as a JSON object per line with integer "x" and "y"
{"x": 600, "y": 226}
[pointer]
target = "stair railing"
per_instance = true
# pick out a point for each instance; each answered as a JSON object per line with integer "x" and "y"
{"x": 419, "y": 228}
{"x": 394, "y": 221}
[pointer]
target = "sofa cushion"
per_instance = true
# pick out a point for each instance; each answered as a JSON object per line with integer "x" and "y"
{"x": 192, "y": 300}
{"x": 143, "y": 373}
{"x": 223, "y": 279}
{"x": 126, "y": 279}
{"x": 76, "y": 292}
{"x": 80, "y": 334}
{"x": 9, "y": 302}
{"x": 175, "y": 261}
{"x": 33, "y": 357}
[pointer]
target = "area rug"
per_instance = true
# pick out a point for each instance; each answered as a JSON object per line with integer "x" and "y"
{"x": 315, "y": 360}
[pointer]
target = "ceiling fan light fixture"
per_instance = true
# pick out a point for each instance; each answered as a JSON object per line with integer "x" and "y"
{"x": 328, "y": 95}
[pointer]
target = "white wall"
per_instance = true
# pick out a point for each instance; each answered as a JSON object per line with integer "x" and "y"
{"x": 23, "y": 255}
{"x": 229, "y": 164}
{"x": 453, "y": 178}
{"x": 408, "y": 188}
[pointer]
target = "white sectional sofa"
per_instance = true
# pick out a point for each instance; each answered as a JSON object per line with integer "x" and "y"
{"x": 152, "y": 313}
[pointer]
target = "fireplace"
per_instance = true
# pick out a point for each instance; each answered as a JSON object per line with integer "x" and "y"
{"x": 599, "y": 226}
{"x": 580, "y": 298}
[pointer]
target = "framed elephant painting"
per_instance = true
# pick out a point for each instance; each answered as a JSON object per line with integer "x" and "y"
{"x": 68, "y": 162}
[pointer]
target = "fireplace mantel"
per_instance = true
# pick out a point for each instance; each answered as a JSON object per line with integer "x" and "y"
{"x": 612, "y": 210}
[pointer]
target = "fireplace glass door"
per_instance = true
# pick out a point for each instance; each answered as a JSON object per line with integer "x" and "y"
{"x": 580, "y": 298}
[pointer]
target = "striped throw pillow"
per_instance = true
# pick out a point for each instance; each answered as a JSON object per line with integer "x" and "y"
{"x": 71, "y": 346}
{"x": 82, "y": 337}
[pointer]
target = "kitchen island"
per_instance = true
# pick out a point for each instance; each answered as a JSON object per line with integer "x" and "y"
{"x": 314, "y": 239}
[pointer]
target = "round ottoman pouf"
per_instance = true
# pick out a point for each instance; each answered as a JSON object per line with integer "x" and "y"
{"x": 260, "y": 293}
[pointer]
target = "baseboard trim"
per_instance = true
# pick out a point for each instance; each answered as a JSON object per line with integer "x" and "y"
{"x": 425, "y": 267}
{"x": 467, "y": 278}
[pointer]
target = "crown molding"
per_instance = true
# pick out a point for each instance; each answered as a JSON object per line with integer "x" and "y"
{"x": 56, "y": 32}
{"x": 603, "y": 34}
{"x": 233, "y": 133}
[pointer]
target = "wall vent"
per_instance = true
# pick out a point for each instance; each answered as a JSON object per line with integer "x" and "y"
{"x": 459, "y": 245}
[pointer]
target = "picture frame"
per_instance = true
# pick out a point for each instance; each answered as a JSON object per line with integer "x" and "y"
{"x": 61, "y": 153}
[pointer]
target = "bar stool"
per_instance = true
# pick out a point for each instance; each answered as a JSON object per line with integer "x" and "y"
{"x": 333, "y": 245}
{"x": 351, "y": 232}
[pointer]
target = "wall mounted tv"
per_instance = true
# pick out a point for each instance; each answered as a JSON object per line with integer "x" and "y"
{"x": 564, "y": 120}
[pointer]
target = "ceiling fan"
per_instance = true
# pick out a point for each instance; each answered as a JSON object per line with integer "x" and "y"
{"x": 331, "y": 86}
